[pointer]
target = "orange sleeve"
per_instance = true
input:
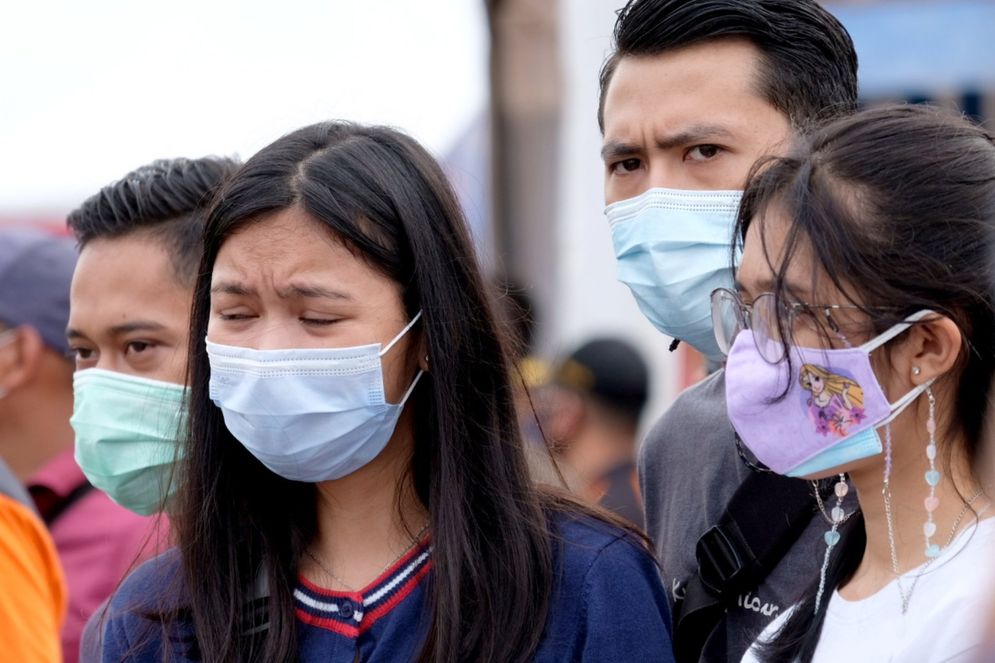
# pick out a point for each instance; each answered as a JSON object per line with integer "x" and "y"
{"x": 32, "y": 589}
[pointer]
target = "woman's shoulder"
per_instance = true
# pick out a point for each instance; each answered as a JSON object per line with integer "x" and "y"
{"x": 589, "y": 549}
{"x": 608, "y": 602}
{"x": 153, "y": 586}
{"x": 125, "y": 627}
{"x": 583, "y": 538}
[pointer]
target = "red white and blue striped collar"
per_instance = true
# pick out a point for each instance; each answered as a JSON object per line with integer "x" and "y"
{"x": 353, "y": 613}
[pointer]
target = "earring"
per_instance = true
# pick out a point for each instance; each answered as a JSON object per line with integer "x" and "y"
{"x": 916, "y": 371}
{"x": 932, "y": 480}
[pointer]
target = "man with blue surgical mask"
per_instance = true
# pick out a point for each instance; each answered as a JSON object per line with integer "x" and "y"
{"x": 693, "y": 94}
{"x": 140, "y": 246}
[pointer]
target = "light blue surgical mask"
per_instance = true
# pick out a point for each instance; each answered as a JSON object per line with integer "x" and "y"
{"x": 673, "y": 249}
{"x": 307, "y": 414}
{"x": 127, "y": 429}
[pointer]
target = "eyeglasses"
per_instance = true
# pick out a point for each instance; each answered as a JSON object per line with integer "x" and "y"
{"x": 731, "y": 316}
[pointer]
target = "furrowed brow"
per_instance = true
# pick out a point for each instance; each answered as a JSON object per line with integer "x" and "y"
{"x": 309, "y": 291}
{"x": 617, "y": 149}
{"x": 231, "y": 288}
{"x": 699, "y": 133}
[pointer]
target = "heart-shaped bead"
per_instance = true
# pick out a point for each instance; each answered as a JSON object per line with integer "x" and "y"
{"x": 932, "y": 551}
{"x": 933, "y": 477}
{"x": 842, "y": 489}
{"x": 929, "y": 529}
{"x": 832, "y": 538}
{"x": 931, "y": 451}
{"x": 838, "y": 514}
{"x": 932, "y": 503}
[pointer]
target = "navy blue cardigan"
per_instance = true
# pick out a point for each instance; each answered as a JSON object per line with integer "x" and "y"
{"x": 608, "y": 604}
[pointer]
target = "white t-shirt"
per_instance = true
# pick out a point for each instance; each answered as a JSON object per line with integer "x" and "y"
{"x": 946, "y": 618}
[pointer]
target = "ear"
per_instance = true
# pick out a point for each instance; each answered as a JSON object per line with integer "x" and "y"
{"x": 20, "y": 359}
{"x": 423, "y": 362}
{"x": 930, "y": 351}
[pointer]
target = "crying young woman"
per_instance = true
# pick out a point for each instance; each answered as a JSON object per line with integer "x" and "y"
{"x": 861, "y": 348}
{"x": 354, "y": 486}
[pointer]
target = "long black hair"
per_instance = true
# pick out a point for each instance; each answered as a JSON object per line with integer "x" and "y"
{"x": 387, "y": 199}
{"x": 897, "y": 205}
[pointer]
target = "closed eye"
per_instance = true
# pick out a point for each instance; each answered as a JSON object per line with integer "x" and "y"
{"x": 318, "y": 322}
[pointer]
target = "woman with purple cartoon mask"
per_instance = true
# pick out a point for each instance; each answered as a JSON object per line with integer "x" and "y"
{"x": 861, "y": 344}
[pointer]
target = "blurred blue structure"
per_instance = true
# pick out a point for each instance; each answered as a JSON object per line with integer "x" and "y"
{"x": 925, "y": 51}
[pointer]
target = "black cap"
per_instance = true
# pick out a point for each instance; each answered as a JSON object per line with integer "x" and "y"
{"x": 609, "y": 370}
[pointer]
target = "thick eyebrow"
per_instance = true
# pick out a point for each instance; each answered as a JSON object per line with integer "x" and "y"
{"x": 614, "y": 149}
{"x": 136, "y": 326}
{"x": 795, "y": 290}
{"x": 310, "y": 290}
{"x": 120, "y": 330}
{"x": 697, "y": 133}
{"x": 231, "y": 288}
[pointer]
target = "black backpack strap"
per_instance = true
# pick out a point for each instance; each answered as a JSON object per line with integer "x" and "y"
{"x": 60, "y": 507}
{"x": 764, "y": 518}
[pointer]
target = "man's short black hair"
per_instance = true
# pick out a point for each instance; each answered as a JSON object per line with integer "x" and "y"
{"x": 169, "y": 198}
{"x": 809, "y": 66}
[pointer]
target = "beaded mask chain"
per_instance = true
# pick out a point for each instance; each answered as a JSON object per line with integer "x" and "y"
{"x": 832, "y": 536}
{"x": 932, "y": 480}
{"x": 929, "y": 529}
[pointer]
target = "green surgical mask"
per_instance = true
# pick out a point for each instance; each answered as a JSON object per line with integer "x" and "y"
{"x": 127, "y": 429}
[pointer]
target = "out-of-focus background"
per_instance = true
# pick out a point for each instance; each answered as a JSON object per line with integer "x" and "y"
{"x": 503, "y": 91}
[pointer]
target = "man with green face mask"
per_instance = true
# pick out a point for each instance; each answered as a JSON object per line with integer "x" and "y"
{"x": 140, "y": 244}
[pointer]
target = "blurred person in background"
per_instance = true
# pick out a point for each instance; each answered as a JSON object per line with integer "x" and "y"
{"x": 140, "y": 242}
{"x": 97, "y": 541}
{"x": 321, "y": 515}
{"x": 694, "y": 92}
{"x": 591, "y": 409}
{"x": 849, "y": 355}
{"x": 32, "y": 587}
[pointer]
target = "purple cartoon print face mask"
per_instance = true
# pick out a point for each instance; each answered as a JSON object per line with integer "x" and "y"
{"x": 822, "y": 415}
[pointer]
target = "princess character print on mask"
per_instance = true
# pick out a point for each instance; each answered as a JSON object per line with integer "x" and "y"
{"x": 835, "y": 402}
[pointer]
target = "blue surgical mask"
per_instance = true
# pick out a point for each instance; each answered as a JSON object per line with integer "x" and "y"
{"x": 856, "y": 447}
{"x": 307, "y": 414}
{"x": 673, "y": 249}
{"x": 127, "y": 429}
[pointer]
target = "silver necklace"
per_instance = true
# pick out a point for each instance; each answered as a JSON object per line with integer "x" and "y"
{"x": 328, "y": 572}
{"x": 906, "y": 598}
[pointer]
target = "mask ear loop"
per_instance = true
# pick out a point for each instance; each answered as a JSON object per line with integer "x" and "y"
{"x": 397, "y": 338}
{"x": 401, "y": 334}
{"x": 411, "y": 389}
{"x": 875, "y": 343}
